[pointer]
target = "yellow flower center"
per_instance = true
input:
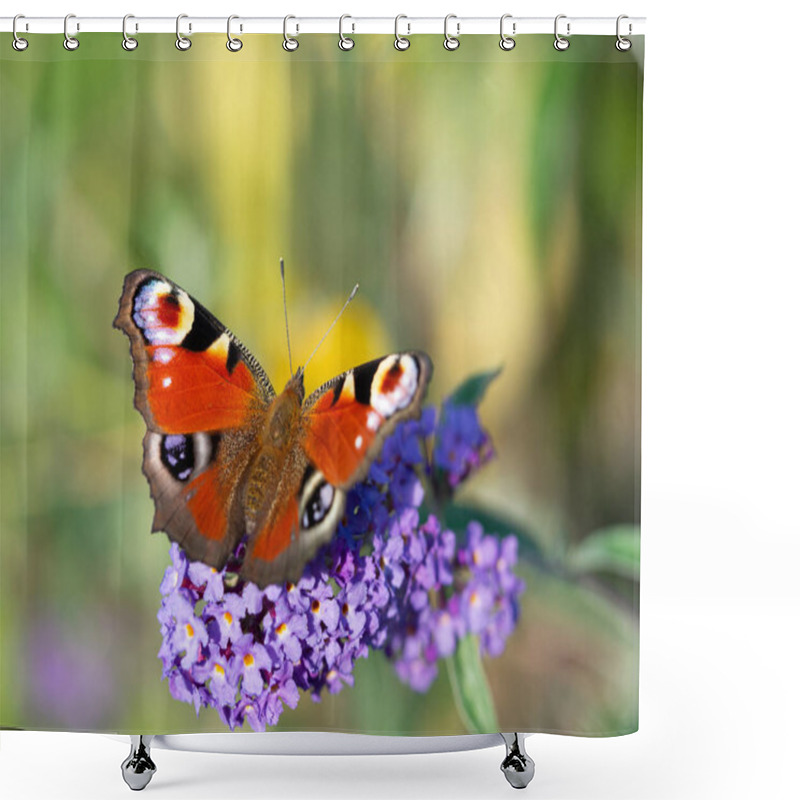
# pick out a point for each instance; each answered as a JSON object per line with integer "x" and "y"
{"x": 473, "y": 599}
{"x": 249, "y": 660}
{"x": 219, "y": 670}
{"x": 189, "y": 631}
{"x": 281, "y": 629}
{"x": 228, "y": 618}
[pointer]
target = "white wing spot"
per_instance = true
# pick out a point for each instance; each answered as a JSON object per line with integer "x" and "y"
{"x": 373, "y": 421}
{"x": 359, "y": 441}
{"x": 166, "y": 382}
{"x": 402, "y": 393}
{"x": 163, "y": 355}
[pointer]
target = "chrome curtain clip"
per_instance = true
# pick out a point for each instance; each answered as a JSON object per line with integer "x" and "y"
{"x": 345, "y": 42}
{"x": 290, "y": 43}
{"x": 623, "y": 44}
{"x": 451, "y": 42}
{"x": 181, "y": 42}
{"x": 18, "y": 43}
{"x": 507, "y": 42}
{"x": 128, "y": 42}
{"x": 401, "y": 42}
{"x": 560, "y": 42}
{"x": 233, "y": 44}
{"x": 70, "y": 42}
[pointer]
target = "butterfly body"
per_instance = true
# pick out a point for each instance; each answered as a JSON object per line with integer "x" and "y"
{"x": 229, "y": 459}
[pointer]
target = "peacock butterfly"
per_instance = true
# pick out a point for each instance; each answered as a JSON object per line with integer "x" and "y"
{"x": 227, "y": 458}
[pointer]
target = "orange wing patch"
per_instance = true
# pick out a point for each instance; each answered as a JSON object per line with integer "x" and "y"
{"x": 274, "y": 540}
{"x": 193, "y": 391}
{"x": 209, "y": 501}
{"x": 340, "y": 437}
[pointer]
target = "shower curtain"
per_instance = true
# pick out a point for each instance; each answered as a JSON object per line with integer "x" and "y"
{"x": 217, "y": 517}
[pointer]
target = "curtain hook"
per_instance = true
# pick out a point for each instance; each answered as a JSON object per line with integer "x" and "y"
{"x": 623, "y": 44}
{"x": 128, "y": 42}
{"x": 400, "y": 42}
{"x": 18, "y": 43}
{"x": 507, "y": 42}
{"x": 345, "y": 42}
{"x": 290, "y": 44}
{"x": 181, "y": 42}
{"x": 560, "y": 43}
{"x": 70, "y": 42}
{"x": 451, "y": 42}
{"x": 233, "y": 44}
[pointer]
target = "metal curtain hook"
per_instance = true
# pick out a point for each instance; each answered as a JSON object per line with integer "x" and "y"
{"x": 181, "y": 42}
{"x": 128, "y": 42}
{"x": 560, "y": 43}
{"x": 233, "y": 44}
{"x": 70, "y": 42}
{"x": 290, "y": 44}
{"x": 400, "y": 42}
{"x": 18, "y": 43}
{"x": 345, "y": 42}
{"x": 451, "y": 42}
{"x": 507, "y": 42}
{"x": 623, "y": 44}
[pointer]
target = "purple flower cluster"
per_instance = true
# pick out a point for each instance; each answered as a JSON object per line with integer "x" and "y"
{"x": 388, "y": 581}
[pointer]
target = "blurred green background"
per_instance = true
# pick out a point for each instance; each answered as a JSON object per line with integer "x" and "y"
{"x": 488, "y": 203}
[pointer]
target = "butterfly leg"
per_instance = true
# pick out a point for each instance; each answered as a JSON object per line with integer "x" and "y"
{"x": 138, "y": 768}
{"x": 517, "y": 766}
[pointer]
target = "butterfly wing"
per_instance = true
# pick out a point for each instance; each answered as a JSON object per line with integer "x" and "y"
{"x": 343, "y": 426}
{"x": 347, "y": 419}
{"x": 297, "y": 525}
{"x": 201, "y": 394}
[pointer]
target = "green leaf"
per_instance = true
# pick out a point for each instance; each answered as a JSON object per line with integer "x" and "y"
{"x": 472, "y": 390}
{"x": 470, "y": 688}
{"x": 614, "y": 550}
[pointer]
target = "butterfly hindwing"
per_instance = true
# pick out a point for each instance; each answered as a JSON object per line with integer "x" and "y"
{"x": 347, "y": 419}
{"x": 296, "y": 527}
{"x": 194, "y": 489}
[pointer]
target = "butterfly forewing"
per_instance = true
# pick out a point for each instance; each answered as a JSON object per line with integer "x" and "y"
{"x": 348, "y": 418}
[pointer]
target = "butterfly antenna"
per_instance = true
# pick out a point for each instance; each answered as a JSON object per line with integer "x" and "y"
{"x": 346, "y": 303}
{"x": 286, "y": 318}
